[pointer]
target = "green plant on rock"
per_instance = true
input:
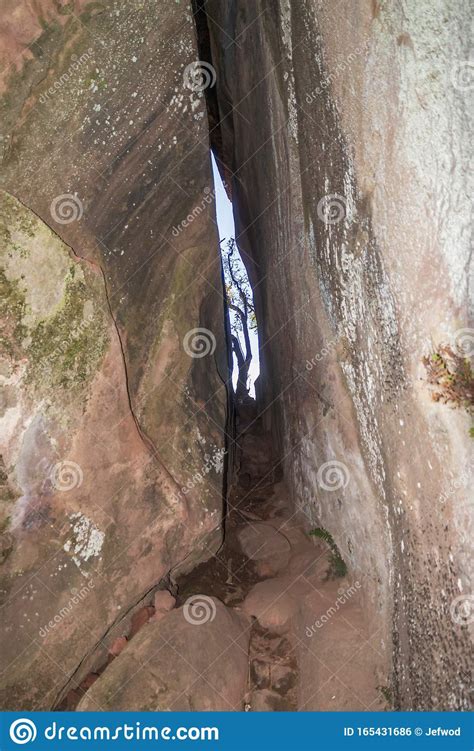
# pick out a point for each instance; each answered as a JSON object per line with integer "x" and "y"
{"x": 337, "y": 568}
{"x": 387, "y": 694}
{"x": 450, "y": 374}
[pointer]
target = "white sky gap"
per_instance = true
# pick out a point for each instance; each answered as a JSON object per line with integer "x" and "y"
{"x": 226, "y": 228}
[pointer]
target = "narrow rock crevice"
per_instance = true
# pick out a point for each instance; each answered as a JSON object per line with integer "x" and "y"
{"x": 305, "y": 565}
{"x": 275, "y": 580}
{"x": 204, "y": 45}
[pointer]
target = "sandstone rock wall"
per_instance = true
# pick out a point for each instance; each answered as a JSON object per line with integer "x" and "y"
{"x": 110, "y": 262}
{"x": 344, "y": 134}
{"x": 342, "y": 130}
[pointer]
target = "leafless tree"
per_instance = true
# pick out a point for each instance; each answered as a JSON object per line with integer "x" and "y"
{"x": 240, "y": 301}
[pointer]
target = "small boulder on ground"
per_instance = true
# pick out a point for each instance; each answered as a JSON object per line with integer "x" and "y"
{"x": 266, "y": 701}
{"x": 139, "y": 619}
{"x": 194, "y": 659}
{"x": 89, "y": 681}
{"x": 261, "y": 540}
{"x": 118, "y": 645}
{"x": 271, "y": 604}
{"x": 164, "y": 600}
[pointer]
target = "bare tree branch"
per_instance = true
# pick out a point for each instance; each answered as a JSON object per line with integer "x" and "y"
{"x": 239, "y": 286}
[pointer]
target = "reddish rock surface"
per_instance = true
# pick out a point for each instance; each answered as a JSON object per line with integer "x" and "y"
{"x": 164, "y": 601}
{"x": 118, "y": 645}
{"x": 185, "y": 666}
{"x": 346, "y": 129}
{"x": 342, "y": 130}
{"x": 139, "y": 619}
{"x": 109, "y": 415}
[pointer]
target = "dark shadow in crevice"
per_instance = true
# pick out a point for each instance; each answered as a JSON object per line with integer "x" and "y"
{"x": 205, "y": 54}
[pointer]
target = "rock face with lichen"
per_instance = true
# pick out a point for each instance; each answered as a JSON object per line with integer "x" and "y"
{"x": 113, "y": 403}
{"x": 344, "y": 127}
{"x": 341, "y": 128}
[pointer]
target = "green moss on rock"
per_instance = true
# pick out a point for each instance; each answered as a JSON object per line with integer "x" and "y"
{"x": 12, "y": 309}
{"x": 52, "y": 308}
{"x": 66, "y": 348}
